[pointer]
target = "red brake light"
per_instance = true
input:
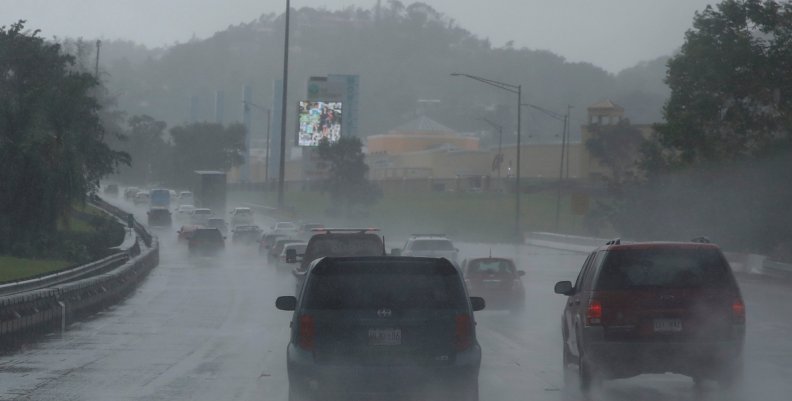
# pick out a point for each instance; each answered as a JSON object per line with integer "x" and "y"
{"x": 306, "y": 333}
{"x": 463, "y": 333}
{"x": 594, "y": 313}
{"x": 738, "y": 310}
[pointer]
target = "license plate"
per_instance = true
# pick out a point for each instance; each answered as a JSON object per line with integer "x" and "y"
{"x": 385, "y": 336}
{"x": 492, "y": 284}
{"x": 667, "y": 325}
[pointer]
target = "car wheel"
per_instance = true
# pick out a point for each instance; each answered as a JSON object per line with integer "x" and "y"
{"x": 585, "y": 374}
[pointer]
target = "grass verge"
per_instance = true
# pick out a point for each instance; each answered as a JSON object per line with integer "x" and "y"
{"x": 12, "y": 268}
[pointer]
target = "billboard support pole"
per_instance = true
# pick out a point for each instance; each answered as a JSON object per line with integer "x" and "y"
{"x": 282, "y": 167}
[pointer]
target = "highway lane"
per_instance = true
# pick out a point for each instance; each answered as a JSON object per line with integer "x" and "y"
{"x": 206, "y": 329}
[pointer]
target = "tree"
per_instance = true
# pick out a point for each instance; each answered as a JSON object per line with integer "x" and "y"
{"x": 721, "y": 163}
{"x": 150, "y": 153}
{"x": 206, "y": 146}
{"x": 730, "y": 84}
{"x": 616, "y": 147}
{"x": 52, "y": 147}
{"x": 347, "y": 181}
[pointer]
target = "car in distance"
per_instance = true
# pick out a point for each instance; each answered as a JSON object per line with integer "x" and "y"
{"x": 278, "y": 245}
{"x": 218, "y": 223}
{"x": 298, "y": 248}
{"x": 206, "y": 241}
{"x": 431, "y": 246}
{"x": 284, "y": 227}
{"x": 185, "y": 198}
{"x": 383, "y": 327}
{"x": 183, "y": 212}
{"x": 141, "y": 198}
{"x": 186, "y": 231}
{"x": 267, "y": 241}
{"x": 159, "y": 217}
{"x": 497, "y": 280}
{"x": 245, "y": 234}
{"x": 338, "y": 242}
{"x": 201, "y": 216}
{"x": 307, "y": 230}
{"x": 242, "y": 216}
{"x": 130, "y": 192}
{"x": 653, "y": 308}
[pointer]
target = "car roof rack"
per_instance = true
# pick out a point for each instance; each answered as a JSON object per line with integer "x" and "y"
{"x": 615, "y": 241}
{"x": 701, "y": 240}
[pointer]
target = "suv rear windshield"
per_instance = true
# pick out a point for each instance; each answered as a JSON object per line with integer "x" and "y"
{"x": 322, "y": 245}
{"x": 394, "y": 284}
{"x": 490, "y": 266}
{"x": 664, "y": 268}
{"x": 432, "y": 245}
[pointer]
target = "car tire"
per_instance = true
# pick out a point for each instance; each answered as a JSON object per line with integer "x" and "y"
{"x": 585, "y": 374}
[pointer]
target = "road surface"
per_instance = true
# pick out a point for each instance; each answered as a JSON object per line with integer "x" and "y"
{"x": 207, "y": 329}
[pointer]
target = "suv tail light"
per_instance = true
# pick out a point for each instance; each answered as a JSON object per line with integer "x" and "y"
{"x": 306, "y": 333}
{"x": 738, "y": 310}
{"x": 594, "y": 313}
{"x": 463, "y": 333}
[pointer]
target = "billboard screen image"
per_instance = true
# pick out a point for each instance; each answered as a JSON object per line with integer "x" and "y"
{"x": 318, "y": 120}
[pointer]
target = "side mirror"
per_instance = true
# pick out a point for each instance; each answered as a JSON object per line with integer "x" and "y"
{"x": 287, "y": 303}
{"x": 564, "y": 288}
{"x": 520, "y": 273}
{"x": 396, "y": 252}
{"x": 291, "y": 256}
{"x": 477, "y": 303}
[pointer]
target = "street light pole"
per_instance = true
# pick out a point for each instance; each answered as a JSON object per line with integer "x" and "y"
{"x": 282, "y": 166}
{"x": 517, "y": 90}
{"x": 564, "y": 154}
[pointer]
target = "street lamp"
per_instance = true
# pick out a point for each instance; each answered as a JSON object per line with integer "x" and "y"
{"x": 266, "y": 156}
{"x": 564, "y": 150}
{"x": 282, "y": 166}
{"x": 517, "y": 90}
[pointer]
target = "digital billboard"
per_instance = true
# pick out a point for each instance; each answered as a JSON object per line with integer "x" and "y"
{"x": 318, "y": 120}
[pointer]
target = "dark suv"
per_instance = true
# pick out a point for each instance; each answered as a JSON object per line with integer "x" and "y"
{"x": 653, "y": 308}
{"x": 383, "y": 327}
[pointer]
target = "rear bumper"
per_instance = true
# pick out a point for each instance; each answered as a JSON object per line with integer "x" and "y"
{"x": 624, "y": 359}
{"x": 329, "y": 381}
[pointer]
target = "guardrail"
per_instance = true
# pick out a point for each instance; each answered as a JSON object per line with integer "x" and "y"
{"x": 52, "y": 302}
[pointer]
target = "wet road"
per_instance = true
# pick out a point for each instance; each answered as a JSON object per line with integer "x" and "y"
{"x": 206, "y": 329}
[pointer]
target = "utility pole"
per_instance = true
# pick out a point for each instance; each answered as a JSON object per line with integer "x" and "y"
{"x": 266, "y": 157}
{"x": 569, "y": 140}
{"x": 96, "y": 67}
{"x": 517, "y": 227}
{"x": 282, "y": 167}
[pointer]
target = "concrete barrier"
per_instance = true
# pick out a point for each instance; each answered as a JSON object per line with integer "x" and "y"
{"x": 26, "y": 313}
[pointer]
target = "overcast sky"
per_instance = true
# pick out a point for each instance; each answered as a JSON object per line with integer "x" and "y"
{"x": 613, "y": 34}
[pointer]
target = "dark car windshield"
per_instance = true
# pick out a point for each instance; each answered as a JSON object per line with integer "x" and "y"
{"x": 665, "y": 268}
{"x": 432, "y": 245}
{"x": 490, "y": 266}
{"x": 208, "y": 235}
{"x": 390, "y": 284}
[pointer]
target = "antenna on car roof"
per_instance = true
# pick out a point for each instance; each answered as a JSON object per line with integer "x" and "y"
{"x": 615, "y": 241}
{"x": 701, "y": 240}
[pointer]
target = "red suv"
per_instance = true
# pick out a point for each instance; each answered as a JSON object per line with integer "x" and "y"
{"x": 653, "y": 308}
